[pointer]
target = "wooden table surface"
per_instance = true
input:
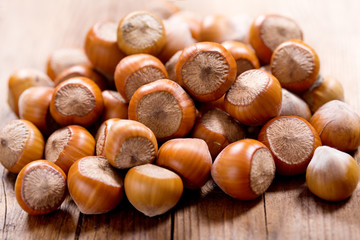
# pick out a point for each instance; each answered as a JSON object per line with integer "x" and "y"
{"x": 30, "y": 30}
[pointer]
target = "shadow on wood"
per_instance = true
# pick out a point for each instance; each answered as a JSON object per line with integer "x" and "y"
{"x": 10, "y": 178}
{"x": 125, "y": 221}
{"x": 214, "y": 204}
{"x": 304, "y": 196}
{"x": 327, "y": 206}
{"x": 286, "y": 183}
{"x": 61, "y": 223}
{"x": 211, "y": 214}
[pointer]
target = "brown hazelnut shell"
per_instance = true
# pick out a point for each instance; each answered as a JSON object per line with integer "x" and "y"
{"x": 185, "y": 103}
{"x": 80, "y": 144}
{"x": 263, "y": 52}
{"x": 33, "y": 147}
{"x": 63, "y": 58}
{"x": 134, "y": 64}
{"x": 265, "y": 106}
{"x": 242, "y": 53}
{"x": 206, "y": 47}
{"x": 34, "y": 106}
{"x": 22, "y": 79}
{"x": 20, "y": 181}
{"x": 338, "y": 125}
{"x": 156, "y": 45}
{"x": 281, "y": 166}
{"x": 325, "y": 89}
{"x": 231, "y": 169}
{"x": 304, "y": 84}
{"x": 82, "y": 71}
{"x": 103, "y": 53}
{"x": 188, "y": 157}
{"x": 122, "y": 130}
{"x": 92, "y": 195}
{"x": 74, "y": 118}
{"x": 114, "y": 106}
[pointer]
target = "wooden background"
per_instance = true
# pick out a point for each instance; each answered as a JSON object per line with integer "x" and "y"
{"x": 30, "y": 30}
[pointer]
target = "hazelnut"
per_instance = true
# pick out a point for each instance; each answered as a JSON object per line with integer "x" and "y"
{"x": 254, "y": 98}
{"x": 141, "y": 32}
{"x": 338, "y": 125}
{"x": 268, "y": 31}
{"x": 165, "y": 108}
{"x": 206, "y": 70}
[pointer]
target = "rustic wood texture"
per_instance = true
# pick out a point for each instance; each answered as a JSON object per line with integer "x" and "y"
{"x": 31, "y": 30}
{"x": 209, "y": 214}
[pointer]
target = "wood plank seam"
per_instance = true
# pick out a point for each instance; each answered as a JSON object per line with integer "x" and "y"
{"x": 78, "y": 226}
{"x": 60, "y": 228}
{"x": 265, "y": 216}
{"x": 172, "y": 225}
{"x": 5, "y": 201}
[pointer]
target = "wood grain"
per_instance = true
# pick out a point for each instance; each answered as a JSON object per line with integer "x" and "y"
{"x": 209, "y": 214}
{"x": 292, "y": 210}
{"x": 125, "y": 223}
{"x": 60, "y": 224}
{"x": 31, "y": 30}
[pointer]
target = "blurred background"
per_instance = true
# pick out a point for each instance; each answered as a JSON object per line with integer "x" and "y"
{"x": 32, "y": 29}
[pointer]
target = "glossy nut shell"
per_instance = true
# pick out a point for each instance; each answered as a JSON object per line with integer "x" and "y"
{"x": 338, "y": 125}
{"x": 95, "y": 190}
{"x": 244, "y": 56}
{"x": 68, "y": 144}
{"x": 115, "y": 106}
{"x": 102, "y": 134}
{"x": 188, "y": 157}
{"x": 121, "y": 134}
{"x": 301, "y": 73}
{"x": 332, "y": 175}
{"x": 22, "y": 79}
{"x": 235, "y": 171}
{"x": 101, "y": 47}
{"x": 65, "y": 113}
{"x": 152, "y": 190}
{"x": 290, "y": 143}
{"x": 34, "y": 106}
{"x": 45, "y": 187}
{"x": 220, "y": 74}
{"x": 325, "y": 89}
{"x": 218, "y": 130}
{"x": 258, "y": 108}
{"x": 21, "y": 142}
{"x": 82, "y": 71}
{"x": 263, "y": 48}
{"x": 143, "y": 19}
{"x": 185, "y": 109}
{"x": 63, "y": 58}
{"x": 142, "y": 68}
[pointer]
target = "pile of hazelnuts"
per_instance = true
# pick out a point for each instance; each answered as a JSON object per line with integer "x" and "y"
{"x": 165, "y": 100}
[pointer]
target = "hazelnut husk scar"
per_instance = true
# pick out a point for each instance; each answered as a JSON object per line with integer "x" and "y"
{"x": 164, "y": 107}
{"x": 206, "y": 70}
{"x": 76, "y": 101}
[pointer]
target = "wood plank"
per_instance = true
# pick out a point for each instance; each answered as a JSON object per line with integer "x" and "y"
{"x": 210, "y": 214}
{"x": 60, "y": 224}
{"x": 293, "y": 212}
{"x": 125, "y": 223}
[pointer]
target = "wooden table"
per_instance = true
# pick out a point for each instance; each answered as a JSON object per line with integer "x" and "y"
{"x": 30, "y": 30}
